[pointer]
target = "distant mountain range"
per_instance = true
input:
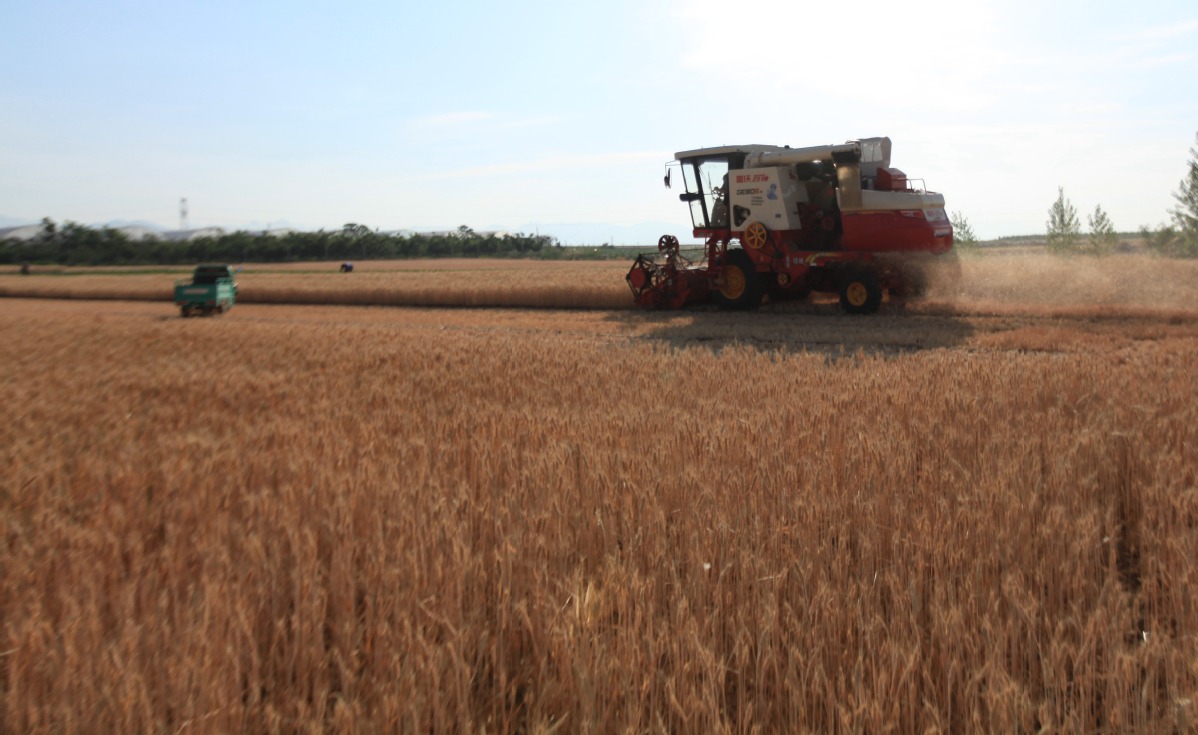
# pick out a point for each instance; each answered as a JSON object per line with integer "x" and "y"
{"x": 14, "y": 221}
{"x": 21, "y": 222}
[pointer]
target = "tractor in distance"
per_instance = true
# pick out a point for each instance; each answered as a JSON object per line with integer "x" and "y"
{"x": 782, "y": 222}
{"x": 212, "y": 289}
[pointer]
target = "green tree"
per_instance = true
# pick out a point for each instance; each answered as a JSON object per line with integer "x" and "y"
{"x": 49, "y": 231}
{"x": 963, "y": 236}
{"x": 1064, "y": 229}
{"x": 1185, "y": 214}
{"x": 469, "y": 241}
{"x": 1162, "y": 240}
{"x": 1103, "y": 238}
{"x": 355, "y": 231}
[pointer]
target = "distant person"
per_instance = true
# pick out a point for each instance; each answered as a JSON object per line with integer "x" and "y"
{"x": 25, "y": 268}
{"x": 347, "y": 267}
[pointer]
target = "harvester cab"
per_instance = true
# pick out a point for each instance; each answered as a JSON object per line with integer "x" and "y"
{"x": 788, "y": 221}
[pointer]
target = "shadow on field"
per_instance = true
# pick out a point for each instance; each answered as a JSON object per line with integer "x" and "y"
{"x": 809, "y": 328}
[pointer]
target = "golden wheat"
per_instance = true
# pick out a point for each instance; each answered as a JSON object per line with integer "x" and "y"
{"x": 306, "y": 519}
{"x": 1012, "y": 284}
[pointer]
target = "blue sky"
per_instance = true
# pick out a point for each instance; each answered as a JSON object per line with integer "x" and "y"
{"x": 560, "y": 116}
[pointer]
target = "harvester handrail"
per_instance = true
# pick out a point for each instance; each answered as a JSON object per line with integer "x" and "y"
{"x": 911, "y": 187}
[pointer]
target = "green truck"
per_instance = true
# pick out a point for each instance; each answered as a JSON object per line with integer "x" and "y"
{"x": 211, "y": 290}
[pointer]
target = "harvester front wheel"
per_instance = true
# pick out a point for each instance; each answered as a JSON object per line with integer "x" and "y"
{"x": 860, "y": 292}
{"x": 742, "y": 287}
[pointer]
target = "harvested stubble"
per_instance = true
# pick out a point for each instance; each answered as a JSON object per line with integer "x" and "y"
{"x": 365, "y": 520}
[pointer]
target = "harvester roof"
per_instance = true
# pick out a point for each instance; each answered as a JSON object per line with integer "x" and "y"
{"x": 874, "y": 149}
{"x": 725, "y": 150}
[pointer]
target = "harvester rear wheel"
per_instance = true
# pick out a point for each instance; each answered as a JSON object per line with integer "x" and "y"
{"x": 860, "y": 292}
{"x": 742, "y": 286}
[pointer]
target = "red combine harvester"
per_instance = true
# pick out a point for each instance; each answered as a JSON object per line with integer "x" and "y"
{"x": 831, "y": 219}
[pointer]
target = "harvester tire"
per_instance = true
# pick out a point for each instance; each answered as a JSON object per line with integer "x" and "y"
{"x": 860, "y": 292}
{"x": 743, "y": 287}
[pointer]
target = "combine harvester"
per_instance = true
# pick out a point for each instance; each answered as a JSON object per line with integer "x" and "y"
{"x": 829, "y": 219}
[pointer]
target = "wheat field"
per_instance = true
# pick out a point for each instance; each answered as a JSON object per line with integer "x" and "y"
{"x": 1010, "y": 282}
{"x": 978, "y": 515}
{"x": 442, "y": 282}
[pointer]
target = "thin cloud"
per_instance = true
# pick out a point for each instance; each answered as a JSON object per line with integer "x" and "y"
{"x": 478, "y": 118}
{"x": 1153, "y": 62}
{"x": 450, "y": 119}
{"x": 1153, "y": 47}
{"x": 1101, "y": 108}
{"x": 590, "y": 160}
{"x": 525, "y": 122}
{"x": 895, "y": 75}
{"x": 1172, "y": 30}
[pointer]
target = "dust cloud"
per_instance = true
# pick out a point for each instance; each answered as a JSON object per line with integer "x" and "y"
{"x": 1122, "y": 283}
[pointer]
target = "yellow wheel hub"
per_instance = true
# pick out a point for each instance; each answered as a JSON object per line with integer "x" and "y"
{"x": 734, "y": 283}
{"x": 755, "y": 235}
{"x": 857, "y": 294}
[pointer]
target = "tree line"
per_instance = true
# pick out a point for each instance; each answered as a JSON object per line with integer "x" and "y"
{"x": 1177, "y": 238}
{"x": 76, "y": 244}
